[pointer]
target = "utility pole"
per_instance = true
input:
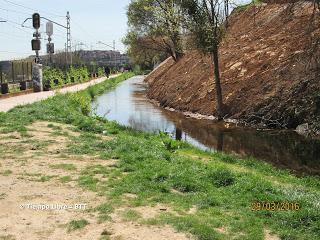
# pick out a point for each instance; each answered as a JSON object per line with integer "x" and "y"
{"x": 66, "y": 53}
{"x": 1, "y": 77}
{"x": 69, "y": 44}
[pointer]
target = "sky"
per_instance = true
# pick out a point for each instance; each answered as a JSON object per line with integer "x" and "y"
{"x": 91, "y": 21}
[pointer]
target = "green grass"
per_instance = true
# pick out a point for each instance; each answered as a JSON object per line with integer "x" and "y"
{"x": 45, "y": 178}
{"x": 66, "y": 179}
{"x": 7, "y": 237}
{"x": 158, "y": 169}
{"x": 104, "y": 211}
{"x": 6, "y": 172}
{"x": 3, "y": 196}
{"x": 104, "y": 238}
{"x": 77, "y": 224}
{"x": 54, "y": 127}
{"x": 64, "y": 166}
{"x": 131, "y": 215}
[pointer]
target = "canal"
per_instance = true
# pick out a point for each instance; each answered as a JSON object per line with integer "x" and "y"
{"x": 129, "y": 106}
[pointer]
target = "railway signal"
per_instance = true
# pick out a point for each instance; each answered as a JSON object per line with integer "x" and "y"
{"x": 36, "y": 45}
{"x": 36, "y": 21}
{"x": 50, "y": 46}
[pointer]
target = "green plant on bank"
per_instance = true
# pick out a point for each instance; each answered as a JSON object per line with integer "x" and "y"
{"x": 55, "y": 77}
{"x": 219, "y": 189}
{"x": 246, "y": 6}
{"x": 100, "y": 71}
{"x": 4, "y": 77}
{"x": 14, "y": 88}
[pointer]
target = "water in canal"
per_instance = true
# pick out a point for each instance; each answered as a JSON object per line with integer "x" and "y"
{"x": 129, "y": 106}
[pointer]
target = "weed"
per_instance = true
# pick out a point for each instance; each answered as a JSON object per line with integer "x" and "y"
{"x": 7, "y": 237}
{"x": 6, "y": 173}
{"x": 77, "y": 224}
{"x": 65, "y": 179}
{"x": 64, "y": 166}
{"x": 3, "y": 196}
{"x": 104, "y": 238}
{"x": 104, "y": 211}
{"x": 88, "y": 182}
{"x": 45, "y": 178}
{"x": 104, "y": 218}
{"x": 54, "y": 127}
{"x": 222, "y": 177}
{"x": 131, "y": 215}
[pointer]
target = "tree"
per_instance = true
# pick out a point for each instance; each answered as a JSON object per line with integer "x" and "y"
{"x": 158, "y": 21}
{"x": 206, "y": 20}
{"x": 144, "y": 51}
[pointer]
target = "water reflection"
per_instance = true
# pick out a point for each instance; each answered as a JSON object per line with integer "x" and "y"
{"x": 128, "y": 105}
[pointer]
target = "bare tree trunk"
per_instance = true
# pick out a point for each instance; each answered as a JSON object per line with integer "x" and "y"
{"x": 219, "y": 101}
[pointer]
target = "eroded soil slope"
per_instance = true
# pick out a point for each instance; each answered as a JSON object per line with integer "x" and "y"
{"x": 269, "y": 64}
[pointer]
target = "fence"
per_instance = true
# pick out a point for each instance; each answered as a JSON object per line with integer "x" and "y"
{"x": 15, "y": 76}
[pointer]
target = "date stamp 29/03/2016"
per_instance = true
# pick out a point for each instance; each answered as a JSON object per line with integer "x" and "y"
{"x": 275, "y": 206}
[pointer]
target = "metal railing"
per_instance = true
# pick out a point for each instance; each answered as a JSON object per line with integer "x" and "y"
{"x": 15, "y": 76}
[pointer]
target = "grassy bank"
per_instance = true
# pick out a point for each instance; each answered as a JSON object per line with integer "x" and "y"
{"x": 209, "y": 195}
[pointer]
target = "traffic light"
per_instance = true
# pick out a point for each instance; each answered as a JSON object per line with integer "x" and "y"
{"x": 36, "y": 20}
{"x": 36, "y": 45}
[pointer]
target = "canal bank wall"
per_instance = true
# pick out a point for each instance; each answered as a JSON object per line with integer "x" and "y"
{"x": 269, "y": 71}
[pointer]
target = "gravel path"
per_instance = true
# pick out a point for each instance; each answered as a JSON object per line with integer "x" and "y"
{"x": 9, "y": 103}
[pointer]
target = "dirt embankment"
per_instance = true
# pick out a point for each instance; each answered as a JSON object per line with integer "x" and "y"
{"x": 269, "y": 67}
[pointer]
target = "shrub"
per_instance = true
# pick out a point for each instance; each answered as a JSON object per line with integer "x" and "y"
{"x": 222, "y": 177}
{"x": 63, "y": 77}
{"x": 82, "y": 102}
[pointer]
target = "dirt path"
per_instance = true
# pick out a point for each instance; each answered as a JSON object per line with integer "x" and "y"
{"x": 9, "y": 103}
{"x": 37, "y": 169}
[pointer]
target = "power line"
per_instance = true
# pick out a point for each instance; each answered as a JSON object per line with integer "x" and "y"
{"x": 32, "y": 9}
{"x": 86, "y": 32}
{"x": 2, "y": 51}
{"x": 10, "y": 10}
{"x": 13, "y": 22}
{"x": 12, "y": 35}
{"x": 13, "y": 25}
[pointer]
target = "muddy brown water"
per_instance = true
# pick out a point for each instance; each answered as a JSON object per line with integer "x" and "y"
{"x": 129, "y": 106}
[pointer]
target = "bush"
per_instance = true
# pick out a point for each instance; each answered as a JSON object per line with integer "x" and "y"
{"x": 222, "y": 177}
{"x": 82, "y": 102}
{"x": 56, "y": 77}
{"x": 100, "y": 72}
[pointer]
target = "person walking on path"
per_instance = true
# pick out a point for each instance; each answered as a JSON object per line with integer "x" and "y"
{"x": 107, "y": 71}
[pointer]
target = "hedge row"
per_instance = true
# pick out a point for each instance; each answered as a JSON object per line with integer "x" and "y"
{"x": 55, "y": 77}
